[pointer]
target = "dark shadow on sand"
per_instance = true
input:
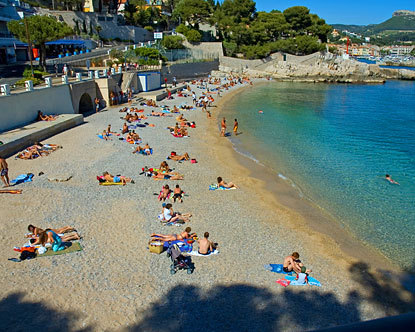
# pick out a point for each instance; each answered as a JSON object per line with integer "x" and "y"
{"x": 249, "y": 308}
{"x": 16, "y": 314}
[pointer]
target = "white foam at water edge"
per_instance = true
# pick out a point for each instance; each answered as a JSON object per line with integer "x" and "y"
{"x": 283, "y": 177}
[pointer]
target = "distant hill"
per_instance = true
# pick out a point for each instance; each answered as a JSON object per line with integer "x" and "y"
{"x": 395, "y": 23}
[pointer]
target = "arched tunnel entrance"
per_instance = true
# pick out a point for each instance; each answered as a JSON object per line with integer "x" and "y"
{"x": 85, "y": 104}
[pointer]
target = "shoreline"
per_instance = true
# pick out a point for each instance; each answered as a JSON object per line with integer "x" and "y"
{"x": 304, "y": 215}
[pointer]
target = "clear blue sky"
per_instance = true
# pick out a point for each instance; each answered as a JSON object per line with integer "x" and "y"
{"x": 360, "y": 12}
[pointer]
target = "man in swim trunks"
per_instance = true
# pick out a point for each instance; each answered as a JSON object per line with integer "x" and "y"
{"x": 116, "y": 179}
{"x": 4, "y": 172}
{"x": 206, "y": 247}
{"x": 223, "y": 127}
{"x": 292, "y": 263}
{"x": 167, "y": 176}
{"x": 174, "y": 237}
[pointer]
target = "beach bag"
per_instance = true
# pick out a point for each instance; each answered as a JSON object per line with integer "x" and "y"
{"x": 27, "y": 255}
{"x": 156, "y": 246}
{"x": 193, "y": 161}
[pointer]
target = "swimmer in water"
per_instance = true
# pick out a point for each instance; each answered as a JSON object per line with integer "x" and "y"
{"x": 388, "y": 177}
{"x": 260, "y": 112}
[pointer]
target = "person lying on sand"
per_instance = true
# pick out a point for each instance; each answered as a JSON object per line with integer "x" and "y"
{"x": 43, "y": 117}
{"x": 145, "y": 150}
{"x": 175, "y": 157}
{"x": 170, "y": 216}
{"x": 181, "y": 118}
{"x": 223, "y": 184}
{"x": 174, "y": 237}
{"x": 4, "y": 172}
{"x": 158, "y": 113}
{"x": 292, "y": 263}
{"x": 167, "y": 176}
{"x": 206, "y": 247}
{"x": 49, "y": 236}
{"x": 388, "y": 177}
{"x": 35, "y": 231}
{"x": 116, "y": 179}
{"x": 165, "y": 192}
{"x": 183, "y": 131}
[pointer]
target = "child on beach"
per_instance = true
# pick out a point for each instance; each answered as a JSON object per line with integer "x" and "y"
{"x": 178, "y": 194}
{"x": 4, "y": 172}
{"x": 235, "y": 127}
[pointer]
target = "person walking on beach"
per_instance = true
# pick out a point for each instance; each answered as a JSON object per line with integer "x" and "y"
{"x": 235, "y": 127}
{"x": 4, "y": 172}
{"x": 223, "y": 127}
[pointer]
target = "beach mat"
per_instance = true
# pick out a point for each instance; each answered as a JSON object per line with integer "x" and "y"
{"x": 22, "y": 178}
{"x": 75, "y": 246}
{"x": 216, "y": 187}
{"x": 276, "y": 268}
{"x": 110, "y": 183}
{"x": 196, "y": 253}
{"x": 311, "y": 281}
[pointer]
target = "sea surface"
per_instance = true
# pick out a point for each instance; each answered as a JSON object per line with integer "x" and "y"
{"x": 384, "y": 66}
{"x": 334, "y": 144}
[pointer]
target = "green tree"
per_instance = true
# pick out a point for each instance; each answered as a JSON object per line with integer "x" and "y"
{"x": 172, "y": 42}
{"x": 193, "y": 36}
{"x": 193, "y": 11}
{"x": 299, "y": 18}
{"x": 42, "y": 29}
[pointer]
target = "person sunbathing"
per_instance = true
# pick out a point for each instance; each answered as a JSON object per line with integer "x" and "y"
{"x": 109, "y": 131}
{"x": 116, "y": 179}
{"x": 181, "y": 118}
{"x": 43, "y": 117}
{"x": 178, "y": 194}
{"x": 175, "y": 109}
{"x": 175, "y": 157}
{"x": 49, "y": 236}
{"x": 183, "y": 131}
{"x": 167, "y": 176}
{"x": 124, "y": 128}
{"x": 105, "y": 135}
{"x": 165, "y": 192}
{"x": 206, "y": 247}
{"x": 164, "y": 167}
{"x": 174, "y": 237}
{"x": 37, "y": 230}
{"x": 48, "y": 147}
{"x": 292, "y": 263}
{"x": 157, "y": 113}
{"x": 223, "y": 184}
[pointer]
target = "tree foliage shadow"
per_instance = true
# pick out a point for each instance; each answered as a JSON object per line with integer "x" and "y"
{"x": 16, "y": 314}
{"x": 246, "y": 307}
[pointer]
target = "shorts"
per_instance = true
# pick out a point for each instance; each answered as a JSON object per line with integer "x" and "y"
{"x": 4, "y": 172}
{"x": 166, "y": 177}
{"x": 208, "y": 253}
{"x": 117, "y": 179}
{"x": 177, "y": 196}
{"x": 285, "y": 269}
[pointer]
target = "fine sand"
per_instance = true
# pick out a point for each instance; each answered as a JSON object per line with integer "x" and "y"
{"x": 116, "y": 284}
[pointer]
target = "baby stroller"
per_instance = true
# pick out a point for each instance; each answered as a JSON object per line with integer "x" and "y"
{"x": 179, "y": 262}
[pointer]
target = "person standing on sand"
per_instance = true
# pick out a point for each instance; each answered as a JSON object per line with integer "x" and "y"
{"x": 235, "y": 127}
{"x": 223, "y": 127}
{"x": 292, "y": 263}
{"x": 4, "y": 172}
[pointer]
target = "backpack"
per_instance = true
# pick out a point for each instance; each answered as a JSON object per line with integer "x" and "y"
{"x": 27, "y": 255}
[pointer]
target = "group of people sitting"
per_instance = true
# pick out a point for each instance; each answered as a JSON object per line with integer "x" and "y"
{"x": 146, "y": 150}
{"x": 206, "y": 246}
{"x": 166, "y": 192}
{"x": 131, "y": 117}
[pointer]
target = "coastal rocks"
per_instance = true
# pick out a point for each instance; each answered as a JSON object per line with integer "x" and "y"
{"x": 319, "y": 69}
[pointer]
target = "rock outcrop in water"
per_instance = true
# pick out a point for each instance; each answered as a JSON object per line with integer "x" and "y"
{"x": 314, "y": 68}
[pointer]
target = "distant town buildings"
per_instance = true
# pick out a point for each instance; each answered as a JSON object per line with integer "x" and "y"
{"x": 403, "y": 13}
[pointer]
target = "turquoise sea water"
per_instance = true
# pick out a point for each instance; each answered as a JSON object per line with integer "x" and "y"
{"x": 335, "y": 143}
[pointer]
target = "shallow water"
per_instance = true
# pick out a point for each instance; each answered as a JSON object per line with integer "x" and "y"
{"x": 334, "y": 144}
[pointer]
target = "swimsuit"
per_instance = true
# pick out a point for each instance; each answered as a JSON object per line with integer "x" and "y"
{"x": 57, "y": 244}
{"x": 208, "y": 253}
{"x": 4, "y": 171}
{"x": 285, "y": 269}
{"x": 117, "y": 179}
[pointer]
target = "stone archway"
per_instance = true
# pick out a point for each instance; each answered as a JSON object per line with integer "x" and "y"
{"x": 85, "y": 104}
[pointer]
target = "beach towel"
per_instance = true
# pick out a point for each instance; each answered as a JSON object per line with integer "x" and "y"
{"x": 277, "y": 268}
{"x": 216, "y": 187}
{"x": 283, "y": 282}
{"x": 74, "y": 247}
{"x": 144, "y": 153}
{"x": 196, "y": 253}
{"x": 9, "y": 191}
{"x": 106, "y": 183}
{"x": 311, "y": 281}
{"x": 22, "y": 178}
{"x": 178, "y": 136}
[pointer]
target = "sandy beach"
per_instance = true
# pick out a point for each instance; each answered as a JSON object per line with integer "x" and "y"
{"x": 115, "y": 283}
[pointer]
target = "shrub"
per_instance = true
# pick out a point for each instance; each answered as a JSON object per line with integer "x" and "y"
{"x": 36, "y": 81}
{"x": 193, "y": 36}
{"x": 149, "y": 28}
{"x": 183, "y": 29}
{"x": 230, "y": 48}
{"x": 172, "y": 42}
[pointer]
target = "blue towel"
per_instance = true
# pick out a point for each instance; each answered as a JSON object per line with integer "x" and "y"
{"x": 311, "y": 281}
{"x": 277, "y": 268}
{"x": 22, "y": 178}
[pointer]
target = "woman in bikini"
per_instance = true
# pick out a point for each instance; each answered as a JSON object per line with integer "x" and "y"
{"x": 174, "y": 237}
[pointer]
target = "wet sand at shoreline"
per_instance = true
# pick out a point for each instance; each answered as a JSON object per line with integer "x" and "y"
{"x": 116, "y": 284}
